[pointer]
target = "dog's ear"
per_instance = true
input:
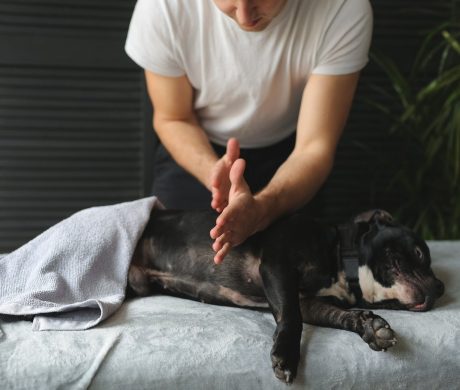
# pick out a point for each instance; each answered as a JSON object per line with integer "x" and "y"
{"x": 373, "y": 216}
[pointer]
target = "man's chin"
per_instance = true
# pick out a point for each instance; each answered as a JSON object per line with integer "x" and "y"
{"x": 259, "y": 25}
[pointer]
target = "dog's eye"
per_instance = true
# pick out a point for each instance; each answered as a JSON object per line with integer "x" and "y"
{"x": 419, "y": 253}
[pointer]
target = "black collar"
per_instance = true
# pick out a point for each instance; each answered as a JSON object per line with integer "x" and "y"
{"x": 348, "y": 257}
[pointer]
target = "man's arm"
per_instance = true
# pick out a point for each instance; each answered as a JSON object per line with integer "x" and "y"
{"x": 178, "y": 129}
{"x": 175, "y": 123}
{"x": 326, "y": 103}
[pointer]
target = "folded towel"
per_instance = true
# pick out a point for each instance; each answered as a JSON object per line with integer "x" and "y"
{"x": 74, "y": 275}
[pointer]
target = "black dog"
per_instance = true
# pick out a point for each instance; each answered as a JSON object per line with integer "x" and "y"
{"x": 301, "y": 269}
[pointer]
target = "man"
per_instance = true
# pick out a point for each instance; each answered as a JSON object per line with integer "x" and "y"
{"x": 274, "y": 77}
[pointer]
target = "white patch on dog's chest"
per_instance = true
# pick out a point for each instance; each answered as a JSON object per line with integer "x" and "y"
{"x": 373, "y": 291}
{"x": 339, "y": 289}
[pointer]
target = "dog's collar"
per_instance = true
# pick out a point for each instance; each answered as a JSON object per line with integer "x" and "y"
{"x": 348, "y": 257}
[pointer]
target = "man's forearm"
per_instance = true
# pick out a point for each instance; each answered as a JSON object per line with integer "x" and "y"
{"x": 187, "y": 143}
{"x": 325, "y": 106}
{"x": 295, "y": 183}
{"x": 177, "y": 127}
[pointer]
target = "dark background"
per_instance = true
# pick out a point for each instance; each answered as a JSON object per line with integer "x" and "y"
{"x": 75, "y": 121}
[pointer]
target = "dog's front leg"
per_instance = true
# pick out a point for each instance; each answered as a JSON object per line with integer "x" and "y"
{"x": 373, "y": 329}
{"x": 282, "y": 292}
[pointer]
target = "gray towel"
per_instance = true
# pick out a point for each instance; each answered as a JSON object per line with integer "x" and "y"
{"x": 74, "y": 275}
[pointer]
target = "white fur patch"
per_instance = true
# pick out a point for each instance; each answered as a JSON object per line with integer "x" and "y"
{"x": 239, "y": 299}
{"x": 339, "y": 289}
{"x": 373, "y": 291}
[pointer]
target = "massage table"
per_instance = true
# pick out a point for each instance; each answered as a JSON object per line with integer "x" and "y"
{"x": 164, "y": 342}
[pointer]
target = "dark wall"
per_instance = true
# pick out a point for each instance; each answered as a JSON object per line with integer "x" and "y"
{"x": 72, "y": 113}
{"x": 75, "y": 127}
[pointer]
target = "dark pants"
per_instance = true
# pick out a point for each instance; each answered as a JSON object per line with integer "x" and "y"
{"x": 177, "y": 189}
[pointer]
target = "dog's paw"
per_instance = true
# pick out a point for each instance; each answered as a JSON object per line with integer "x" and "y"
{"x": 283, "y": 370}
{"x": 376, "y": 332}
{"x": 285, "y": 359}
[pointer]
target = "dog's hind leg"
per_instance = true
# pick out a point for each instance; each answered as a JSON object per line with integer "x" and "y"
{"x": 373, "y": 329}
{"x": 138, "y": 282}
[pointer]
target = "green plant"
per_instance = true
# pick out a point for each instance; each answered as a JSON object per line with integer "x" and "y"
{"x": 425, "y": 115}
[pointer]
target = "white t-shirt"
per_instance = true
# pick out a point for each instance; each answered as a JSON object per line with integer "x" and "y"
{"x": 249, "y": 85}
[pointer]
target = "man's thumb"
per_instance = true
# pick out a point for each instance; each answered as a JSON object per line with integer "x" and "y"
{"x": 233, "y": 150}
{"x": 237, "y": 172}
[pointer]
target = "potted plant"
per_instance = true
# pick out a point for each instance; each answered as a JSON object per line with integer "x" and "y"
{"x": 425, "y": 116}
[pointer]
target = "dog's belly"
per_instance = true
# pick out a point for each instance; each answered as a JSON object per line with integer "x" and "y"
{"x": 175, "y": 253}
{"x": 143, "y": 279}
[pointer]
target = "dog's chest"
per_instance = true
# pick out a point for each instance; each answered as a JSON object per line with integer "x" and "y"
{"x": 339, "y": 288}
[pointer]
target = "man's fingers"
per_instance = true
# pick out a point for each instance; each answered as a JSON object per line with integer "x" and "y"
{"x": 221, "y": 241}
{"x": 215, "y": 232}
{"x": 216, "y": 246}
{"x": 219, "y": 201}
{"x": 220, "y": 229}
{"x": 219, "y": 207}
{"x": 219, "y": 257}
{"x": 220, "y": 175}
{"x": 220, "y": 172}
{"x": 224, "y": 222}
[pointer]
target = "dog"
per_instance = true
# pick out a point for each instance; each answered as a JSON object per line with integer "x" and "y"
{"x": 299, "y": 268}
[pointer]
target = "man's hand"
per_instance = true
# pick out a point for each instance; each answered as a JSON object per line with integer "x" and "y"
{"x": 240, "y": 219}
{"x": 220, "y": 177}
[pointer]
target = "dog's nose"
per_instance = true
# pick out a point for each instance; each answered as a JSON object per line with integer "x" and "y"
{"x": 439, "y": 288}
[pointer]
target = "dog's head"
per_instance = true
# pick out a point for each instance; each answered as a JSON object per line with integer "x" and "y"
{"x": 395, "y": 265}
